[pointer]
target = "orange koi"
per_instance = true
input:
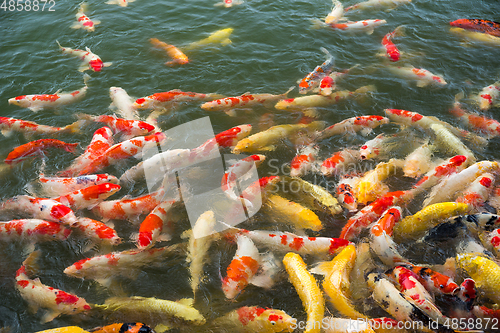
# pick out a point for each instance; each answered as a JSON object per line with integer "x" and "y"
{"x": 179, "y": 57}
{"x": 33, "y": 230}
{"x": 163, "y": 99}
{"x": 88, "y": 197}
{"x": 126, "y": 127}
{"x": 381, "y": 241}
{"x": 482, "y": 124}
{"x": 152, "y": 226}
{"x": 303, "y": 162}
{"x": 434, "y": 281}
{"x": 480, "y": 25}
{"x": 21, "y": 152}
{"x": 98, "y": 232}
{"x": 391, "y": 49}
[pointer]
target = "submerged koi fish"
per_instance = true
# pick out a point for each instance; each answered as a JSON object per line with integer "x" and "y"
{"x": 363, "y": 124}
{"x": 448, "y": 141}
{"x": 303, "y": 162}
{"x": 391, "y": 49}
{"x": 377, "y": 4}
{"x": 123, "y": 103}
{"x": 83, "y": 20}
{"x": 480, "y": 25}
{"x": 89, "y": 60}
{"x": 336, "y": 13}
{"x": 217, "y": 37}
{"x": 421, "y": 76}
{"x": 418, "y": 162}
{"x": 480, "y": 123}
{"x": 21, "y": 152}
{"x": 228, "y": 3}
{"x": 121, "y": 3}
{"x": 39, "y": 295}
{"x": 50, "y": 101}
{"x": 312, "y": 80}
{"x": 256, "y": 319}
{"x": 179, "y": 58}
{"x": 126, "y": 127}
{"x": 476, "y": 36}
{"x": 163, "y": 99}
{"x": 489, "y": 96}
{"x": 28, "y": 128}
{"x": 367, "y": 26}
{"x": 33, "y": 230}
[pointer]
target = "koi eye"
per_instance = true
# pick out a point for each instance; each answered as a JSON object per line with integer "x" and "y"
{"x": 441, "y": 286}
{"x": 273, "y": 323}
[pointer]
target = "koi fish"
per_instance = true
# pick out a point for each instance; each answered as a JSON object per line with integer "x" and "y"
{"x": 370, "y": 186}
{"x": 292, "y": 213}
{"x": 126, "y": 127}
{"x": 89, "y": 60}
{"x": 478, "y": 191}
{"x": 336, "y": 13}
{"x": 152, "y": 226}
{"x": 39, "y": 295}
{"x": 418, "y": 162}
{"x": 476, "y": 36}
{"x": 412, "y": 227}
{"x": 329, "y": 82}
{"x": 345, "y": 192}
{"x": 98, "y": 232}
{"x": 485, "y": 272}
{"x": 123, "y": 328}
{"x": 121, "y": 3}
{"x": 488, "y": 96}
{"x": 362, "y": 124}
{"x": 303, "y": 162}
{"x": 123, "y": 103}
{"x": 179, "y": 58}
{"x": 50, "y": 101}
{"x": 21, "y": 152}
{"x": 336, "y": 283}
{"x": 66, "y": 329}
{"x": 28, "y": 128}
{"x": 40, "y": 208}
{"x": 256, "y": 319}
{"x": 163, "y": 99}
{"x": 307, "y": 288}
{"x": 312, "y": 80}
{"x": 479, "y": 25}
{"x": 266, "y": 140}
{"x": 83, "y": 20}
{"x": 217, "y": 37}
{"x": 237, "y": 171}
{"x": 421, "y": 76}
{"x": 433, "y": 281}
{"x": 88, "y": 197}
{"x": 381, "y": 242}
{"x": 391, "y": 49}
{"x": 480, "y": 123}
{"x": 33, "y": 230}
{"x": 101, "y": 141}
{"x": 367, "y": 26}
{"x": 230, "y": 137}
{"x": 446, "y": 139}
{"x": 376, "y": 4}
{"x": 339, "y": 161}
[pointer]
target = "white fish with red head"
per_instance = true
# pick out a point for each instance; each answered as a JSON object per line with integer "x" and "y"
{"x": 89, "y": 60}
{"x": 488, "y": 96}
{"x": 123, "y": 103}
{"x": 83, "y": 21}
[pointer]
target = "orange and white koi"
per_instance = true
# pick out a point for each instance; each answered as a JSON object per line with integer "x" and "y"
{"x": 179, "y": 58}
{"x": 122, "y": 150}
{"x": 372, "y": 212}
{"x": 367, "y": 26}
{"x": 230, "y": 137}
{"x": 126, "y": 263}
{"x": 339, "y": 162}
{"x": 237, "y": 171}
{"x": 381, "y": 242}
{"x": 243, "y": 269}
{"x": 39, "y": 295}
{"x": 121, "y": 3}
{"x": 101, "y": 141}
{"x": 433, "y": 281}
{"x": 374, "y": 147}
{"x": 288, "y": 242}
{"x": 311, "y": 101}
{"x": 312, "y": 80}
{"x": 50, "y": 101}
{"x": 418, "y": 162}
{"x": 33, "y": 230}
{"x": 452, "y": 165}
{"x": 256, "y": 319}
{"x": 89, "y": 60}
{"x": 83, "y": 20}
{"x": 336, "y": 13}
{"x": 448, "y": 188}
{"x": 28, "y": 128}
{"x": 98, "y": 232}
{"x": 329, "y": 83}
{"x": 483, "y": 124}
{"x": 88, "y": 197}
{"x": 21, "y": 152}
{"x": 488, "y": 96}
{"x": 421, "y": 76}
{"x": 370, "y": 186}
{"x": 391, "y": 49}
{"x": 307, "y": 288}
{"x": 123, "y": 103}
{"x": 40, "y": 208}
{"x": 292, "y": 213}
{"x": 246, "y": 100}
{"x": 163, "y": 99}
{"x": 478, "y": 191}
{"x": 362, "y": 124}
{"x": 128, "y": 128}
{"x": 129, "y": 209}
{"x": 152, "y": 226}
{"x": 345, "y": 192}
{"x": 375, "y": 4}
{"x": 303, "y": 162}
{"x": 228, "y": 3}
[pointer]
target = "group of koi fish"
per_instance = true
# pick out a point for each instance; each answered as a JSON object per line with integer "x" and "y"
{"x": 452, "y": 194}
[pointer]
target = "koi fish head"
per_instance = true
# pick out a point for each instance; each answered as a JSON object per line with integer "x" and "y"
{"x": 21, "y": 101}
{"x": 96, "y": 65}
{"x": 463, "y": 23}
{"x": 142, "y": 103}
{"x": 285, "y": 104}
{"x": 268, "y": 320}
{"x": 212, "y": 105}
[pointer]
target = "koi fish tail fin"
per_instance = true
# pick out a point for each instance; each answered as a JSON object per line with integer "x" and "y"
{"x": 83, "y": 7}
{"x": 59, "y": 45}
{"x": 30, "y": 263}
{"x": 71, "y": 147}
{"x": 322, "y": 268}
{"x": 270, "y": 266}
{"x": 86, "y": 79}
{"x": 75, "y": 127}
{"x": 317, "y": 24}
{"x": 327, "y": 53}
{"x": 399, "y": 31}
{"x": 289, "y": 90}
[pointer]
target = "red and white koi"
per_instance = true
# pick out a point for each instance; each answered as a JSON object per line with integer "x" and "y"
{"x": 433, "y": 281}
{"x": 374, "y": 147}
{"x": 483, "y": 124}
{"x": 367, "y": 26}
{"x": 98, "y": 232}
{"x": 238, "y": 171}
{"x": 256, "y": 319}
{"x": 123, "y": 103}
{"x": 83, "y": 20}
{"x": 312, "y": 80}
{"x": 339, "y": 162}
{"x": 151, "y": 227}
{"x": 336, "y": 13}
{"x": 376, "y": 4}
{"x": 122, "y": 150}
{"x": 21, "y": 152}
{"x": 101, "y": 141}
{"x": 39, "y": 295}
{"x": 28, "y": 128}
{"x": 345, "y": 192}
{"x": 362, "y": 124}
{"x": 243, "y": 269}
{"x": 40, "y": 208}
{"x": 381, "y": 242}
{"x": 478, "y": 191}
{"x": 128, "y": 128}
{"x": 129, "y": 209}
{"x": 89, "y": 60}
{"x": 230, "y": 137}
{"x": 488, "y": 96}
{"x": 418, "y": 162}
{"x": 391, "y": 50}
{"x": 50, "y": 101}
{"x": 288, "y": 242}
{"x": 121, "y": 3}
{"x": 329, "y": 83}
{"x": 421, "y": 76}
{"x": 228, "y": 3}
{"x": 164, "y": 99}
{"x": 179, "y": 58}
{"x": 303, "y": 162}
{"x": 88, "y": 197}
{"x": 33, "y": 230}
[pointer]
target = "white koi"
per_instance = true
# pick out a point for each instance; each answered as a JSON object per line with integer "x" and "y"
{"x": 336, "y": 13}
{"x": 83, "y": 21}
{"x": 123, "y": 103}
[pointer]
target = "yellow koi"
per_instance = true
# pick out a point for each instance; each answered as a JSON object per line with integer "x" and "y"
{"x": 292, "y": 213}
{"x": 370, "y": 186}
{"x": 485, "y": 272}
{"x": 217, "y": 37}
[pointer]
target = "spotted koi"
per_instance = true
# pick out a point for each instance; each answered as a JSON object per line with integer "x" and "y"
{"x": 52, "y": 187}
{"x": 98, "y": 232}
{"x": 363, "y": 124}
{"x": 479, "y": 25}
{"x": 33, "y": 230}
{"x": 88, "y": 197}
{"x": 256, "y": 319}
{"x": 21, "y": 152}
{"x": 312, "y": 80}
{"x": 488, "y": 96}
{"x": 164, "y": 99}
{"x": 381, "y": 242}
{"x": 391, "y": 50}
{"x": 152, "y": 226}
{"x": 483, "y": 124}
{"x": 367, "y": 26}
{"x": 345, "y": 192}
{"x": 126, "y": 127}
{"x": 89, "y": 60}
{"x": 28, "y": 128}
{"x": 237, "y": 171}
{"x": 83, "y": 21}
{"x": 246, "y": 100}
{"x": 421, "y": 76}
{"x": 478, "y": 191}
{"x": 303, "y": 162}
{"x": 339, "y": 162}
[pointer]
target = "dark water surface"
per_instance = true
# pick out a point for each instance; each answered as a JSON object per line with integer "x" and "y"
{"x": 272, "y": 47}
